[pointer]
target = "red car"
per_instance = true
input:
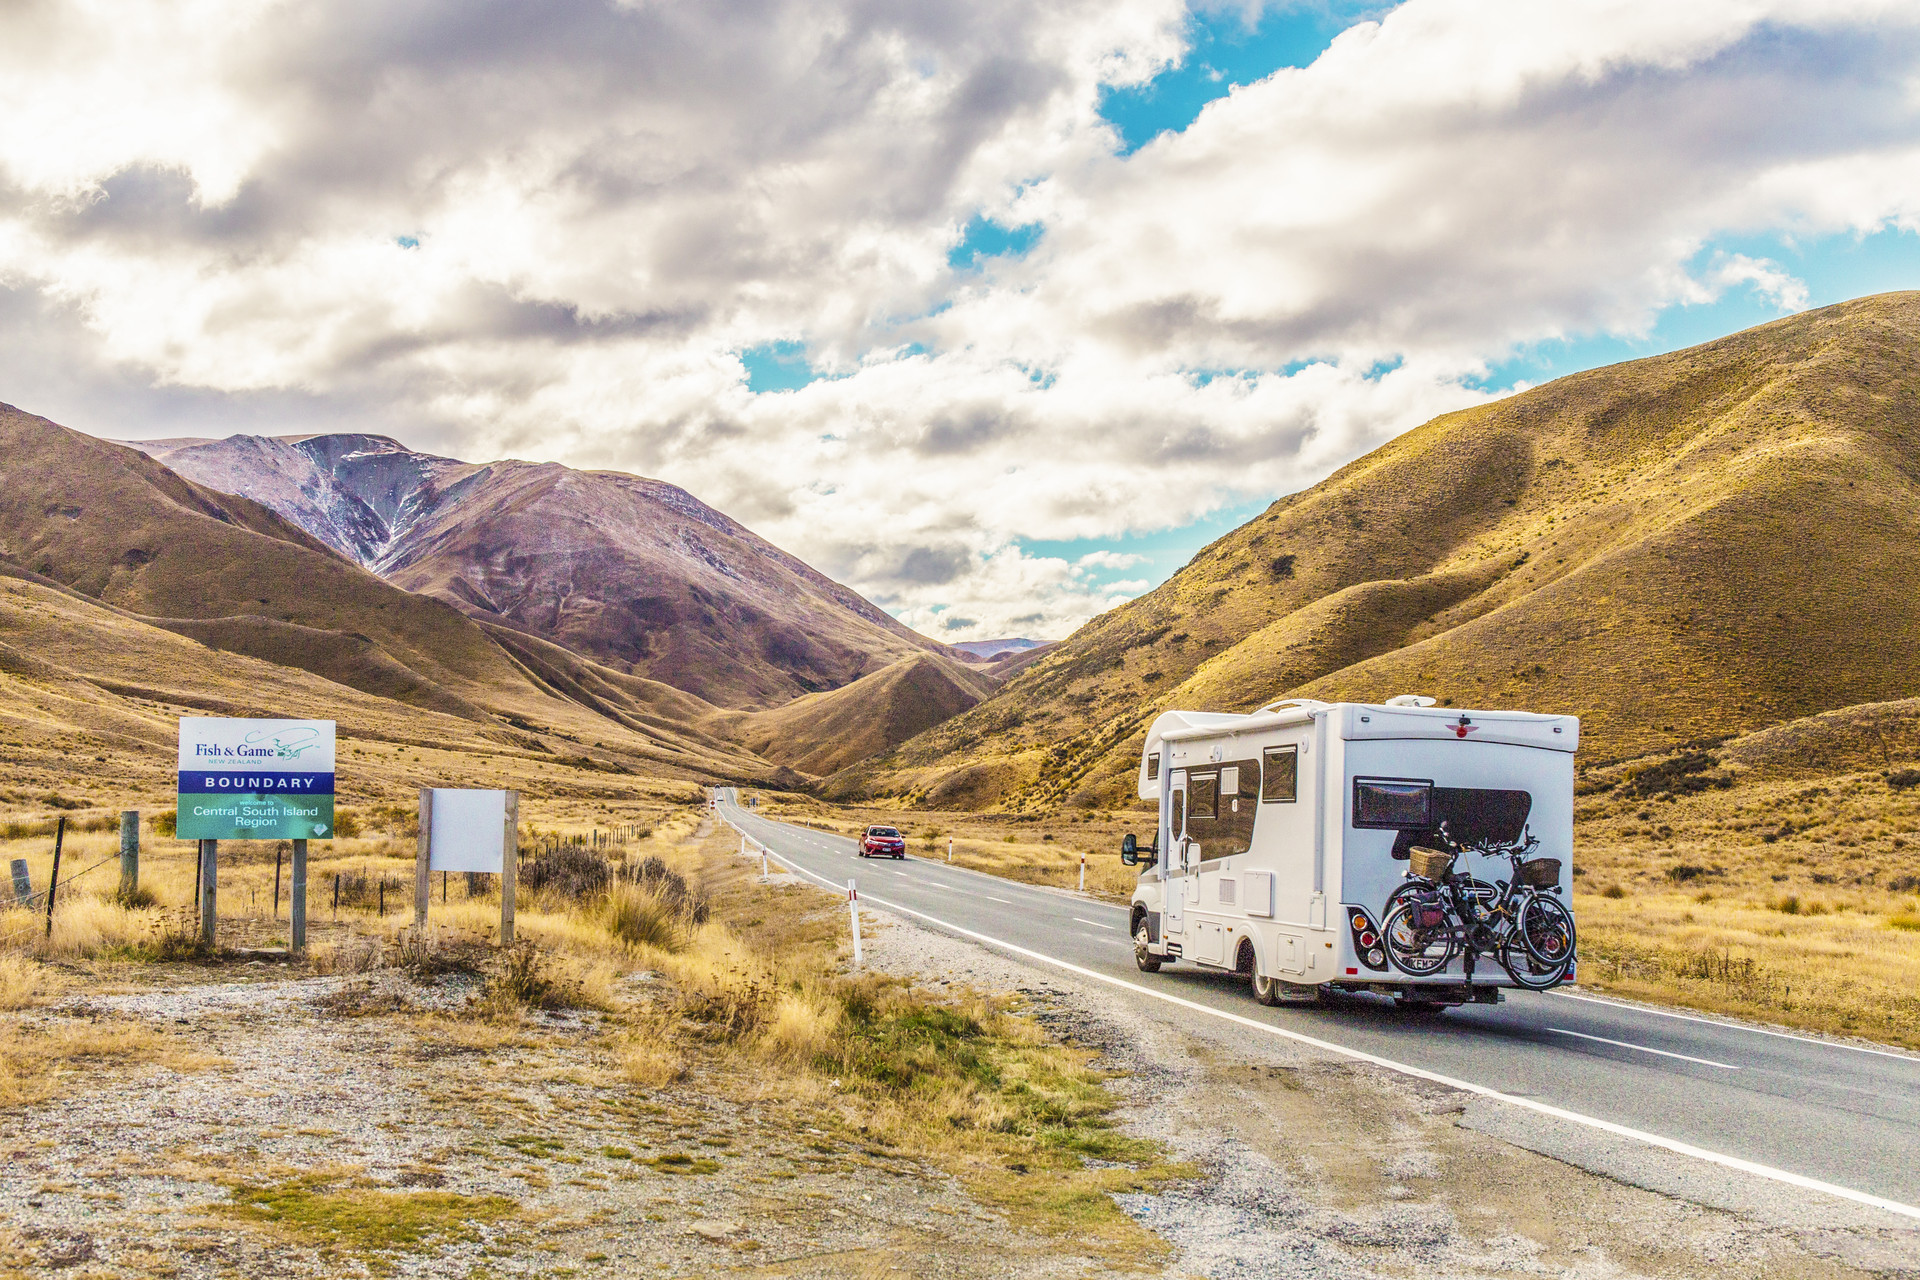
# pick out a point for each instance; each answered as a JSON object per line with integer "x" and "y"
{"x": 882, "y": 842}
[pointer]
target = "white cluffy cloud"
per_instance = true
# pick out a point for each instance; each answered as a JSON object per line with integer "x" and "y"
{"x": 550, "y": 230}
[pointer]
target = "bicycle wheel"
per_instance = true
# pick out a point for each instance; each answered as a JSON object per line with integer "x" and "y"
{"x": 1546, "y": 928}
{"x": 1414, "y": 950}
{"x": 1529, "y": 972}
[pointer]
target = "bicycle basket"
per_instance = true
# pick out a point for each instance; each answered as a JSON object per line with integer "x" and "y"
{"x": 1429, "y": 864}
{"x": 1541, "y": 873}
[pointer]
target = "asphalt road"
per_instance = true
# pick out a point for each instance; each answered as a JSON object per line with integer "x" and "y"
{"x": 1831, "y": 1112}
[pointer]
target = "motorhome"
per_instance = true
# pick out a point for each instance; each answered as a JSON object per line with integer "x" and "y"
{"x": 1282, "y": 834}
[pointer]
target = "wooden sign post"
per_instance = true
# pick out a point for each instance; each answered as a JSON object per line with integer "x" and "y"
{"x": 463, "y": 830}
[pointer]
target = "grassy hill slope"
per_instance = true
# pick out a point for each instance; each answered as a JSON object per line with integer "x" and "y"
{"x": 824, "y": 732}
{"x": 1692, "y": 545}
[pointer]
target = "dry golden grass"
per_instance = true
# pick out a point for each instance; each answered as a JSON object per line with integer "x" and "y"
{"x": 1783, "y": 894}
{"x": 44, "y": 1061}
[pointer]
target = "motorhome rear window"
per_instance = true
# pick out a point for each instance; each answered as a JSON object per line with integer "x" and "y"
{"x": 1280, "y": 775}
{"x": 1392, "y": 802}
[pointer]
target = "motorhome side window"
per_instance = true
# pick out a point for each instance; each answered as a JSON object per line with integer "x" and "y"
{"x": 1221, "y": 803}
{"x": 1153, "y": 766}
{"x": 1280, "y": 775}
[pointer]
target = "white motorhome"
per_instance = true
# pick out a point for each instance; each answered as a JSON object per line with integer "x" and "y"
{"x": 1282, "y": 833}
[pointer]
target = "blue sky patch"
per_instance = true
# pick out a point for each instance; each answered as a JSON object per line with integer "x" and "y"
{"x": 984, "y": 238}
{"x": 777, "y": 366}
{"x": 1222, "y": 51}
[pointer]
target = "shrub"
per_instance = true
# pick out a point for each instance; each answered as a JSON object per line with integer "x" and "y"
{"x": 1683, "y": 774}
{"x": 1686, "y": 871}
{"x": 523, "y": 978}
{"x": 1902, "y": 779}
{"x": 166, "y": 823}
{"x": 1613, "y": 891}
{"x": 571, "y": 871}
{"x": 1787, "y": 905}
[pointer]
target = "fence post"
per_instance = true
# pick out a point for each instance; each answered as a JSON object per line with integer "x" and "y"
{"x": 509, "y": 863}
{"x": 209, "y": 893}
{"x": 129, "y": 854}
{"x": 336, "y": 895}
{"x": 53, "y": 885}
{"x": 853, "y": 906}
{"x": 22, "y": 882}
{"x": 297, "y": 900}
{"x": 423, "y": 858}
{"x": 277, "y": 852}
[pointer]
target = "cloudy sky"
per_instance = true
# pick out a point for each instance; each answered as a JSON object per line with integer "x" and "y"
{"x": 994, "y": 311}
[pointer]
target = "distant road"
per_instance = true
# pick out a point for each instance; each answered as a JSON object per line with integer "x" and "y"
{"x": 1801, "y": 1108}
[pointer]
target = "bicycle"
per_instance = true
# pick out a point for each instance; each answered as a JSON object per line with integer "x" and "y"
{"x": 1442, "y": 912}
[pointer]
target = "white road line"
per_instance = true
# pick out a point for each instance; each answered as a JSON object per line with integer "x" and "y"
{"x": 1640, "y": 1048}
{"x": 1420, "y": 1073}
{"x": 1095, "y": 923}
{"x": 1736, "y": 1026}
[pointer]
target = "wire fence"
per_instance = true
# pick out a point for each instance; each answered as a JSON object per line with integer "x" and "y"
{"x": 7, "y": 939}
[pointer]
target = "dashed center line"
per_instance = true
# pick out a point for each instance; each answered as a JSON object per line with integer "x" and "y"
{"x": 1095, "y": 923}
{"x": 1640, "y": 1048}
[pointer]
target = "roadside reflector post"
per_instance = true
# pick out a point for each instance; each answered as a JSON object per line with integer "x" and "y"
{"x": 53, "y": 885}
{"x": 949, "y": 848}
{"x": 853, "y": 907}
{"x": 743, "y": 844}
{"x": 1083, "y": 873}
{"x": 422, "y": 885}
{"x": 763, "y": 864}
{"x": 129, "y": 854}
{"x": 297, "y": 901}
{"x": 209, "y": 892}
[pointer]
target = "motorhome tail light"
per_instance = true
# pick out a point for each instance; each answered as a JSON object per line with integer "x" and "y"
{"x": 1366, "y": 939}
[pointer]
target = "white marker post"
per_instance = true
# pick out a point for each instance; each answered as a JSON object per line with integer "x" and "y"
{"x": 1083, "y": 873}
{"x": 743, "y": 844}
{"x": 949, "y": 848}
{"x": 853, "y": 906}
{"x": 763, "y": 864}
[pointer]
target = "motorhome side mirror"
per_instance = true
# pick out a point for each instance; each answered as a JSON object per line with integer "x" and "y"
{"x": 1130, "y": 850}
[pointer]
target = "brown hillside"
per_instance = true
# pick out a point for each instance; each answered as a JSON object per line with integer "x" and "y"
{"x": 634, "y": 573}
{"x": 105, "y": 526}
{"x": 823, "y": 732}
{"x": 1692, "y": 545}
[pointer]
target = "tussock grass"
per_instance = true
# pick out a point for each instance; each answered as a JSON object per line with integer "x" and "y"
{"x": 1797, "y": 904}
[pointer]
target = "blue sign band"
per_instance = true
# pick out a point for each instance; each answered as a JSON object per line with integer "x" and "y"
{"x": 254, "y": 782}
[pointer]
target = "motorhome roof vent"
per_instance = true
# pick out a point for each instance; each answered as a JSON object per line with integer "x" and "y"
{"x": 1410, "y": 700}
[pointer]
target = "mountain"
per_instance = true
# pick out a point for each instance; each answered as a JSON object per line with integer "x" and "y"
{"x": 149, "y": 567}
{"x": 633, "y": 573}
{"x": 1689, "y": 546}
{"x": 994, "y": 648}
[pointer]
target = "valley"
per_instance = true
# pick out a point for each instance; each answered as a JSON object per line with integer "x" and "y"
{"x": 1706, "y": 556}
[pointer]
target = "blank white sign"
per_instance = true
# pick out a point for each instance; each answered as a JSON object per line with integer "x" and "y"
{"x": 468, "y": 832}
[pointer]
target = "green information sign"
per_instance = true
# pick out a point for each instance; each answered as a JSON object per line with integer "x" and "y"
{"x": 255, "y": 779}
